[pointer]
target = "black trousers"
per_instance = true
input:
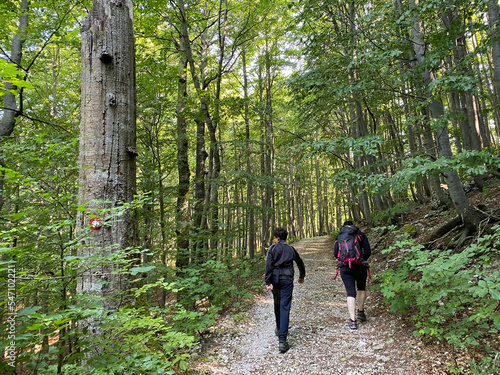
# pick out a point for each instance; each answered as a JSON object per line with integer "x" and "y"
{"x": 354, "y": 278}
{"x": 282, "y": 295}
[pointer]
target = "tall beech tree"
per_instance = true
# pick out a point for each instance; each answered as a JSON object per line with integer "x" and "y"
{"x": 107, "y": 149}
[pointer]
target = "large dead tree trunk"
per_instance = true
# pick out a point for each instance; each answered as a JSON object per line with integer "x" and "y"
{"x": 107, "y": 147}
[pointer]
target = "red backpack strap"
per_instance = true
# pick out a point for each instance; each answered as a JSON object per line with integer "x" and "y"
{"x": 336, "y": 274}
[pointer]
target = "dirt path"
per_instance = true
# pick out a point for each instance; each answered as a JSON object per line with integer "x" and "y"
{"x": 320, "y": 341}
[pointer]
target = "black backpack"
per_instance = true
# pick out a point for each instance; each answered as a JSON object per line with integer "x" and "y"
{"x": 350, "y": 246}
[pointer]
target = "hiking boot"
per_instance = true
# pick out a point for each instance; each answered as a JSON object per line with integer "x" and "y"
{"x": 361, "y": 316}
{"x": 353, "y": 324}
{"x": 284, "y": 346}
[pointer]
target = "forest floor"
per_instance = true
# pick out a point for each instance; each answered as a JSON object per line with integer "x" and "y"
{"x": 320, "y": 341}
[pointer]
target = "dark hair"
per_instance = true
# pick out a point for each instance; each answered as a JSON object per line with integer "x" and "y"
{"x": 348, "y": 222}
{"x": 281, "y": 233}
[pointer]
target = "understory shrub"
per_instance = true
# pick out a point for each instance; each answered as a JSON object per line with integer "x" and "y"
{"x": 137, "y": 339}
{"x": 449, "y": 295}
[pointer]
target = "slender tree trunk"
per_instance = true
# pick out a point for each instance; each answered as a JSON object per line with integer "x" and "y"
{"x": 319, "y": 197}
{"x": 265, "y": 164}
{"x": 312, "y": 208}
{"x": 182, "y": 215}
{"x": 269, "y": 142}
{"x": 212, "y": 129}
{"x": 471, "y": 216}
{"x": 410, "y": 129}
{"x": 494, "y": 23}
{"x": 10, "y": 108}
{"x": 251, "y": 211}
{"x": 107, "y": 149}
{"x": 293, "y": 205}
{"x": 201, "y": 154}
{"x": 484, "y": 88}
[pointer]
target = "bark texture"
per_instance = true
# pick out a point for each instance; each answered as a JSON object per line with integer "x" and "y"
{"x": 107, "y": 142}
{"x": 494, "y": 19}
{"x": 182, "y": 231}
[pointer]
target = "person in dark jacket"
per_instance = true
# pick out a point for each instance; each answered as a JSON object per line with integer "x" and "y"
{"x": 279, "y": 280}
{"x": 354, "y": 277}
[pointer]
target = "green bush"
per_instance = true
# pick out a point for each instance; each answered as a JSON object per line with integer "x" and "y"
{"x": 449, "y": 295}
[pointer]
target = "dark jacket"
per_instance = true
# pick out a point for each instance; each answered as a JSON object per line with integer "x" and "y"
{"x": 279, "y": 261}
{"x": 364, "y": 244}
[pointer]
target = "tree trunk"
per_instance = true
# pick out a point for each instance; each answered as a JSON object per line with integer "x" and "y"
{"x": 182, "y": 215}
{"x": 107, "y": 148}
{"x": 10, "y": 109}
{"x": 319, "y": 197}
{"x": 205, "y": 118}
{"x": 494, "y": 22}
{"x": 212, "y": 125}
{"x": 269, "y": 147}
{"x": 312, "y": 210}
{"x": 418, "y": 49}
{"x": 264, "y": 167}
{"x": 251, "y": 211}
{"x": 471, "y": 216}
{"x": 410, "y": 131}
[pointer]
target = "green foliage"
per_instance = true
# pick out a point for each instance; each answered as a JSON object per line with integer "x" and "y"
{"x": 223, "y": 285}
{"x": 132, "y": 341}
{"x": 449, "y": 295}
{"x": 389, "y": 215}
{"x": 10, "y": 74}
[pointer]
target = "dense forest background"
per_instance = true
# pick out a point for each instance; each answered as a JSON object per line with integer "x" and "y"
{"x": 239, "y": 116}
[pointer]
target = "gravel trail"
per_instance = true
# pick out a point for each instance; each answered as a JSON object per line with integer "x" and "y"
{"x": 320, "y": 340}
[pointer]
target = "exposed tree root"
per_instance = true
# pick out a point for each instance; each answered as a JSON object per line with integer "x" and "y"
{"x": 466, "y": 233}
{"x": 442, "y": 231}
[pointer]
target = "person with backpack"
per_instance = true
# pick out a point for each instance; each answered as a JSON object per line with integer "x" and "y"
{"x": 352, "y": 251}
{"x": 279, "y": 280}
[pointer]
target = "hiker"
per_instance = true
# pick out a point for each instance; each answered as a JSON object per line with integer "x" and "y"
{"x": 279, "y": 280}
{"x": 353, "y": 269}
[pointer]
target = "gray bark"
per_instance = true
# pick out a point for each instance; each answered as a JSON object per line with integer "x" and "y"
{"x": 251, "y": 212}
{"x": 471, "y": 216}
{"x": 182, "y": 231}
{"x": 107, "y": 147}
{"x": 10, "y": 108}
{"x": 268, "y": 204}
{"x": 494, "y": 19}
{"x": 205, "y": 118}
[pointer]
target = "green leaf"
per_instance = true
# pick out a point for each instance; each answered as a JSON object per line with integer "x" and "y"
{"x": 495, "y": 294}
{"x": 136, "y": 270}
{"x": 183, "y": 365}
{"x": 28, "y": 310}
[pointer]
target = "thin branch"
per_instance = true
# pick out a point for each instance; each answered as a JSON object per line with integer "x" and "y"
{"x": 55, "y": 126}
